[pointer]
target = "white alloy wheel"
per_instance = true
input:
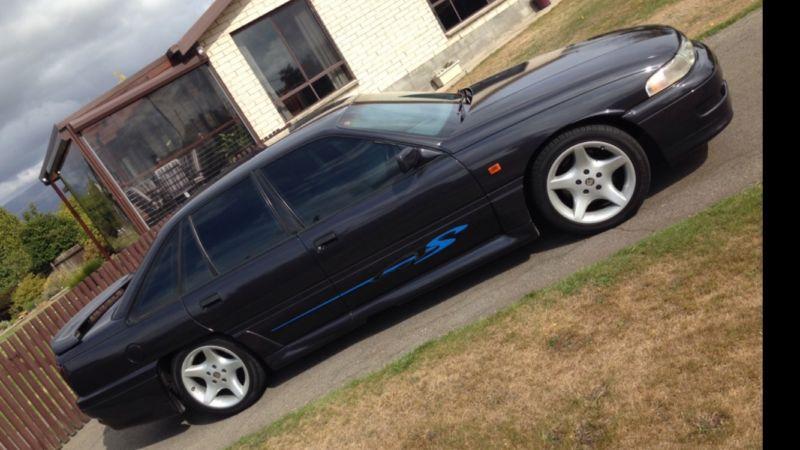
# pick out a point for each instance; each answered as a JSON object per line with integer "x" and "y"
{"x": 591, "y": 182}
{"x": 215, "y": 377}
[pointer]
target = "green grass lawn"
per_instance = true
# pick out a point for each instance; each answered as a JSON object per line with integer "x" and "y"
{"x": 658, "y": 346}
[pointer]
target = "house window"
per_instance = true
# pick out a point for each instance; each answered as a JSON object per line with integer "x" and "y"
{"x": 453, "y": 12}
{"x": 293, "y": 57}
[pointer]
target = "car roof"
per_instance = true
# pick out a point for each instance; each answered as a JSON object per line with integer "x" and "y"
{"x": 324, "y": 121}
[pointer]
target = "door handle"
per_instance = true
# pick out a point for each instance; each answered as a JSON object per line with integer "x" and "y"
{"x": 322, "y": 242}
{"x": 211, "y": 301}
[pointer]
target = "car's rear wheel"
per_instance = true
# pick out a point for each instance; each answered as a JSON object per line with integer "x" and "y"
{"x": 218, "y": 377}
{"x": 590, "y": 179}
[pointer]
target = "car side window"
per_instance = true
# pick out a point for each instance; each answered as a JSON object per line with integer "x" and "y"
{"x": 325, "y": 176}
{"x": 236, "y": 226}
{"x": 160, "y": 284}
{"x": 195, "y": 271}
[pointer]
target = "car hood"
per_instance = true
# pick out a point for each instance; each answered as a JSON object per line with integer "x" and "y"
{"x": 572, "y": 70}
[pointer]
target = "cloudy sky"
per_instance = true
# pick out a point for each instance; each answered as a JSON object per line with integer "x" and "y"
{"x": 56, "y": 55}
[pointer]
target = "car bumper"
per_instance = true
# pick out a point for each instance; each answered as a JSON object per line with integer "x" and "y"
{"x": 146, "y": 401}
{"x": 689, "y": 113}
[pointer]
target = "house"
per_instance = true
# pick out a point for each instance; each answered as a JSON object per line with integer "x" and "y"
{"x": 237, "y": 81}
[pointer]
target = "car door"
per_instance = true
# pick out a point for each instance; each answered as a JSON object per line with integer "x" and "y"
{"x": 372, "y": 226}
{"x": 242, "y": 270}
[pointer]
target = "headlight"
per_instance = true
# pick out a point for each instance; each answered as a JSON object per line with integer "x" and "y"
{"x": 674, "y": 70}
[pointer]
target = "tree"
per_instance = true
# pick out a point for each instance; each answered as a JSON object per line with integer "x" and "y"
{"x": 45, "y": 236}
{"x": 27, "y": 294}
{"x": 14, "y": 260}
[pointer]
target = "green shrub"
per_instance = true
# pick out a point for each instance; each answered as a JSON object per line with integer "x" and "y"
{"x": 55, "y": 282}
{"x": 45, "y": 236}
{"x": 27, "y": 294}
{"x": 85, "y": 270}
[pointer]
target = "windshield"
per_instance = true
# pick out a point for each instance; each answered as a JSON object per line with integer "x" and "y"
{"x": 435, "y": 119}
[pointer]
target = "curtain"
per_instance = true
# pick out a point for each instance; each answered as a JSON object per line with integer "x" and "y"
{"x": 320, "y": 46}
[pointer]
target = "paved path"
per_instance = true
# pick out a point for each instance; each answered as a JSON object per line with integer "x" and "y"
{"x": 734, "y": 162}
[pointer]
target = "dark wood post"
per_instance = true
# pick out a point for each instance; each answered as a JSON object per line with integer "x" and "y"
{"x": 86, "y": 229}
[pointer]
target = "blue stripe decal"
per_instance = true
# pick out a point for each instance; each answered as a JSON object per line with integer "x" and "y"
{"x": 435, "y": 246}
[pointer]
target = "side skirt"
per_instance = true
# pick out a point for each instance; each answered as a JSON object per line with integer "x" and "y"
{"x": 435, "y": 278}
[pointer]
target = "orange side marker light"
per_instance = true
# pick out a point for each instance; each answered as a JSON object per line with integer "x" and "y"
{"x": 494, "y": 169}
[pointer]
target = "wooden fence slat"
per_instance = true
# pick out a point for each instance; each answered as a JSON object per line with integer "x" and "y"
{"x": 68, "y": 304}
{"x": 34, "y": 340}
{"x": 61, "y": 311}
{"x": 39, "y": 382}
{"x": 52, "y": 329}
{"x": 25, "y": 381}
{"x": 106, "y": 273}
{"x": 39, "y": 425}
{"x": 41, "y": 331}
{"x": 101, "y": 285}
{"x": 7, "y": 433}
{"x": 85, "y": 294}
{"x": 129, "y": 262}
{"x": 27, "y": 438}
{"x": 38, "y": 408}
{"x": 73, "y": 300}
{"x": 49, "y": 378}
{"x": 89, "y": 284}
{"x": 59, "y": 314}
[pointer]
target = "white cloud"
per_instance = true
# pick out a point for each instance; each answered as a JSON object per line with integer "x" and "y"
{"x": 57, "y": 55}
{"x": 24, "y": 178}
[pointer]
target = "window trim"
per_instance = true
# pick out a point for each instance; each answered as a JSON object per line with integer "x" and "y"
{"x": 309, "y": 81}
{"x": 130, "y": 318}
{"x": 463, "y": 23}
{"x": 375, "y": 139}
{"x": 214, "y": 272}
{"x": 287, "y": 233}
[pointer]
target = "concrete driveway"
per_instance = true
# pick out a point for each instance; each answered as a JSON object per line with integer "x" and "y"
{"x": 734, "y": 162}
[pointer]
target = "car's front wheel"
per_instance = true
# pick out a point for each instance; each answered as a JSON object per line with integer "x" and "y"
{"x": 590, "y": 179}
{"x": 218, "y": 377}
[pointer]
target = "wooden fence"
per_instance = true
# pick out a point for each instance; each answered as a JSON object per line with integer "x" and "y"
{"x": 37, "y": 408}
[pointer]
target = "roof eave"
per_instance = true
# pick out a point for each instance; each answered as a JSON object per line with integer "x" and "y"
{"x": 53, "y": 157}
{"x": 182, "y": 48}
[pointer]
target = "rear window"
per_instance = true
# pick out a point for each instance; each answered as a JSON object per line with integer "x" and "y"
{"x": 425, "y": 119}
{"x": 160, "y": 285}
{"x": 236, "y": 226}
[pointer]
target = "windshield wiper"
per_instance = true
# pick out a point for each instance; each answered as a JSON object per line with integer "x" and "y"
{"x": 465, "y": 98}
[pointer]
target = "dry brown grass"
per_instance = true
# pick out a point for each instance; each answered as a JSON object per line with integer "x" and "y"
{"x": 658, "y": 348}
{"x": 576, "y": 20}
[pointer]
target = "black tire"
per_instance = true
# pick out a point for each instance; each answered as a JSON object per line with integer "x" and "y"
{"x": 562, "y": 143}
{"x": 253, "y": 367}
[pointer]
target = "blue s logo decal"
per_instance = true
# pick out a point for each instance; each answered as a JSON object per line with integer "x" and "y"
{"x": 432, "y": 248}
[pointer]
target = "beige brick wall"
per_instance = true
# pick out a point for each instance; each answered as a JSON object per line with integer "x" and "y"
{"x": 381, "y": 41}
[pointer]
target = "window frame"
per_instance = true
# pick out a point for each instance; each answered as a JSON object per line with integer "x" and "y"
{"x": 462, "y": 22}
{"x": 130, "y": 317}
{"x": 288, "y": 231}
{"x": 187, "y": 223}
{"x": 274, "y": 191}
{"x": 309, "y": 81}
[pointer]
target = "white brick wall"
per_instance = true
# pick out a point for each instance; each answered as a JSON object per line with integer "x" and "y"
{"x": 381, "y": 41}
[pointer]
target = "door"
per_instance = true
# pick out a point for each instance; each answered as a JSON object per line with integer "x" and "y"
{"x": 241, "y": 270}
{"x": 372, "y": 226}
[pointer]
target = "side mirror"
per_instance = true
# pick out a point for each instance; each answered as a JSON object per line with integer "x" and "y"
{"x": 411, "y": 157}
{"x": 408, "y": 158}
